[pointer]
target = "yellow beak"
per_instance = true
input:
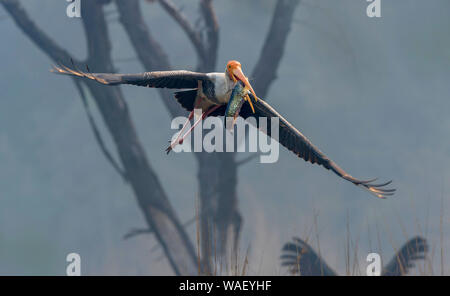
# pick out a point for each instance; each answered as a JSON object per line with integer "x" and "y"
{"x": 237, "y": 72}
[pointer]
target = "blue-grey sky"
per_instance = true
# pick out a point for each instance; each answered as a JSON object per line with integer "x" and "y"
{"x": 370, "y": 93}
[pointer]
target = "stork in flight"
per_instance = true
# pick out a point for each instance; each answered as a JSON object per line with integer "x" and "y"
{"x": 211, "y": 93}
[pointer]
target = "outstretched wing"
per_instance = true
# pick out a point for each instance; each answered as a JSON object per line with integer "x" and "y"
{"x": 414, "y": 249}
{"x": 296, "y": 142}
{"x": 301, "y": 259}
{"x": 161, "y": 79}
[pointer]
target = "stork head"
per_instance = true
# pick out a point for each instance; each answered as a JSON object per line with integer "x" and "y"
{"x": 235, "y": 73}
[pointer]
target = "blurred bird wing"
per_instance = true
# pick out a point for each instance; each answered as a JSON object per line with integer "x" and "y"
{"x": 413, "y": 250}
{"x": 301, "y": 259}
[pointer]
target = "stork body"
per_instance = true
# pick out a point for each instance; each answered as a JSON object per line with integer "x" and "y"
{"x": 214, "y": 89}
{"x": 219, "y": 91}
{"x": 211, "y": 92}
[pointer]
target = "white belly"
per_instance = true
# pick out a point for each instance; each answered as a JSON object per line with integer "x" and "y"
{"x": 223, "y": 86}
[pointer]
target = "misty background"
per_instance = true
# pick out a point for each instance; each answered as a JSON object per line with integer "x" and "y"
{"x": 372, "y": 94}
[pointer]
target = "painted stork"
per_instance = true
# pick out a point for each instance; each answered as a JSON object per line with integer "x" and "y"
{"x": 211, "y": 93}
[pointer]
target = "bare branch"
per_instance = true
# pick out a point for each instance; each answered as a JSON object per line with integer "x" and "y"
{"x": 138, "y": 231}
{"x": 227, "y": 209}
{"x": 58, "y": 54}
{"x": 96, "y": 131}
{"x": 135, "y": 232}
{"x": 184, "y": 23}
{"x": 149, "y": 192}
{"x": 45, "y": 43}
{"x": 212, "y": 34}
{"x": 148, "y": 50}
{"x": 153, "y": 201}
{"x": 274, "y": 45}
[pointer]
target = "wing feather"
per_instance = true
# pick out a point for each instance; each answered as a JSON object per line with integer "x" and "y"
{"x": 179, "y": 79}
{"x": 295, "y": 141}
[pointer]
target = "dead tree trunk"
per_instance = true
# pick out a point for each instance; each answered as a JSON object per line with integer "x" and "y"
{"x": 149, "y": 193}
{"x": 217, "y": 172}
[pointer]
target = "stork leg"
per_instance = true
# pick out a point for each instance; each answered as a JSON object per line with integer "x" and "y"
{"x": 182, "y": 129}
{"x": 180, "y": 141}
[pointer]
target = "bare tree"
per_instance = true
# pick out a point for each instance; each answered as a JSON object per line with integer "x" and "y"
{"x": 217, "y": 172}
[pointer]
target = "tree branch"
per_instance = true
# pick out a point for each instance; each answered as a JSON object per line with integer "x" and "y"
{"x": 22, "y": 20}
{"x": 212, "y": 34}
{"x": 270, "y": 57}
{"x": 146, "y": 186}
{"x": 273, "y": 48}
{"x": 135, "y": 232}
{"x": 148, "y": 50}
{"x": 151, "y": 196}
{"x": 96, "y": 131}
{"x": 192, "y": 34}
{"x": 58, "y": 54}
